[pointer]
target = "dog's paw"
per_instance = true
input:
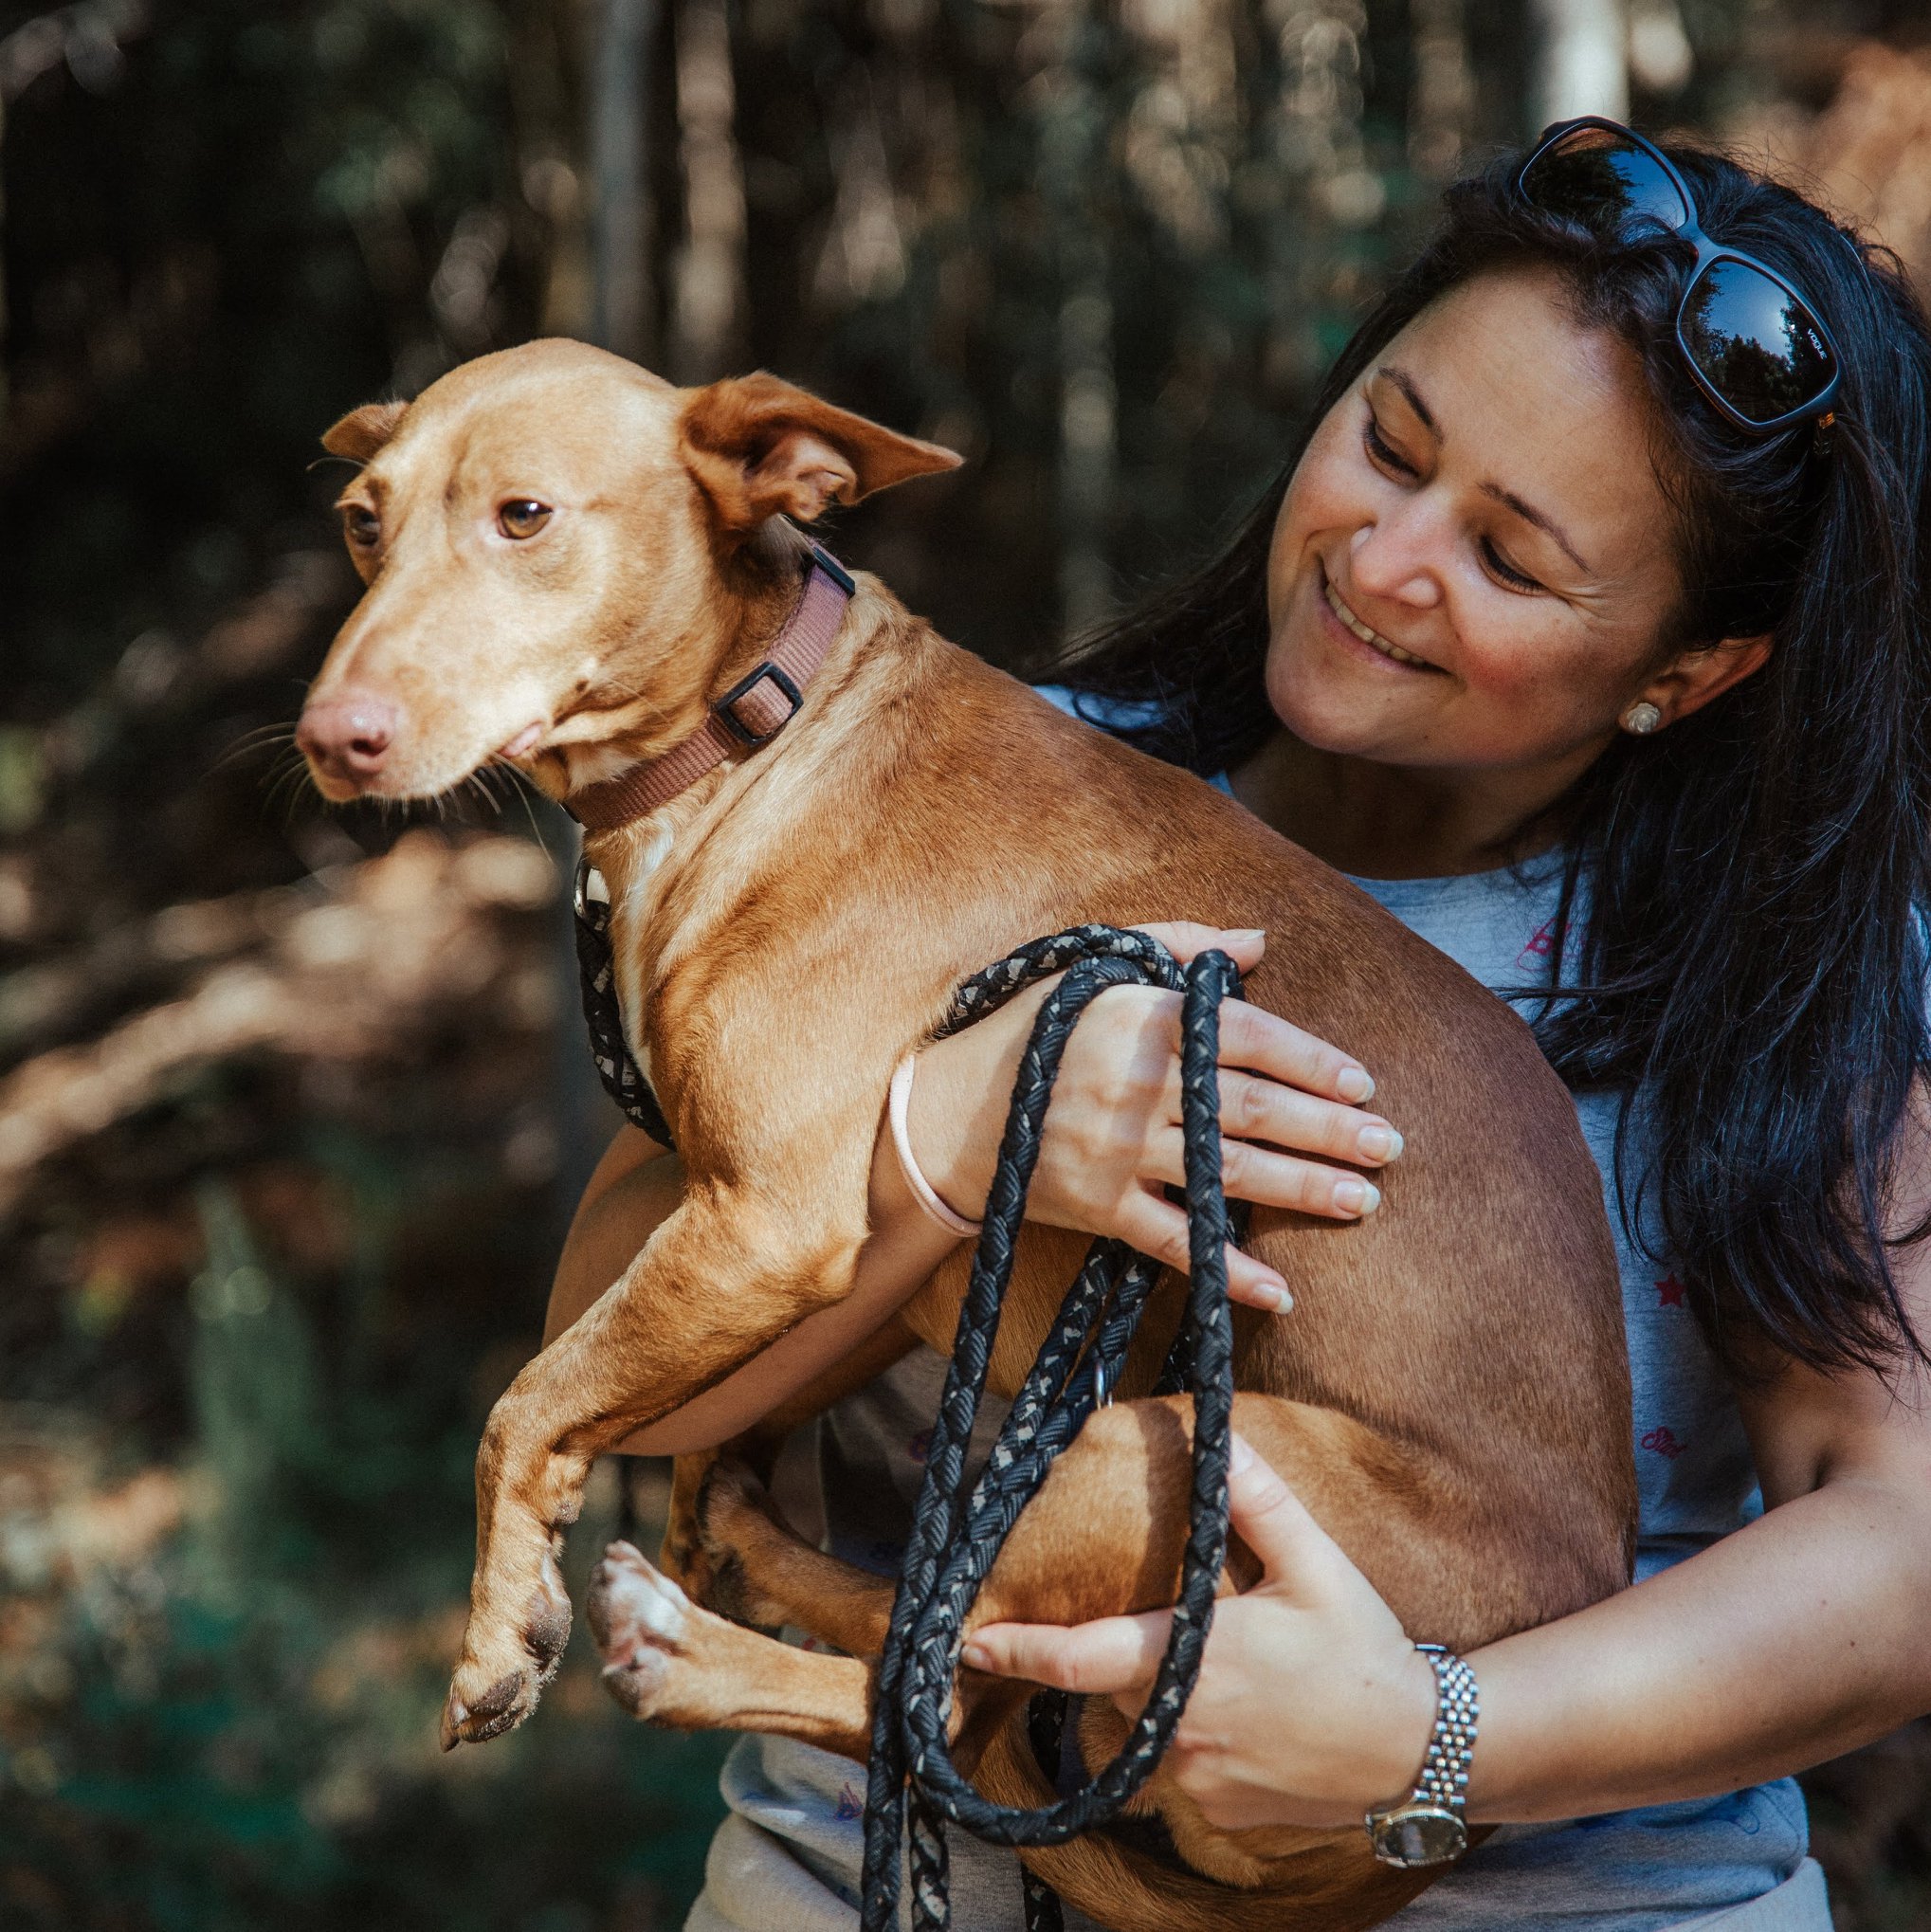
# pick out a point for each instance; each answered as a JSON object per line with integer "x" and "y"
{"x": 642, "y": 1623}
{"x": 502, "y": 1674}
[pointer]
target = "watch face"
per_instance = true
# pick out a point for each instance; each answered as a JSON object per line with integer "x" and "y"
{"x": 1420, "y": 1835}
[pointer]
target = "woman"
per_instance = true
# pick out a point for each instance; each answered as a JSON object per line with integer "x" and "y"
{"x": 1582, "y": 635}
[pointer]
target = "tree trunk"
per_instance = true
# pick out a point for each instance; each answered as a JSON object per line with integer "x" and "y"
{"x": 707, "y": 279}
{"x": 619, "y": 150}
{"x": 1582, "y": 59}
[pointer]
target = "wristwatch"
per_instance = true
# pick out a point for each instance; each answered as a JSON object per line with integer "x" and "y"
{"x": 1428, "y": 1827}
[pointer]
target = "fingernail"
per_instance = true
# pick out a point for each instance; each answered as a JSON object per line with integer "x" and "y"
{"x": 1239, "y": 1456}
{"x": 977, "y": 1656}
{"x": 1354, "y": 1085}
{"x": 1378, "y": 1144}
{"x": 1275, "y": 1296}
{"x": 1357, "y": 1197}
{"x": 1253, "y": 933}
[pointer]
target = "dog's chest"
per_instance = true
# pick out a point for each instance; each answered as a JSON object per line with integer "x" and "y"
{"x": 632, "y": 908}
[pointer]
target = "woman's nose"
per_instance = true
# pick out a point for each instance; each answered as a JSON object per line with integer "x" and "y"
{"x": 1395, "y": 558}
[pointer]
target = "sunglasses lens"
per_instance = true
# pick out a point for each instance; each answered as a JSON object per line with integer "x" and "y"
{"x": 1755, "y": 342}
{"x": 1600, "y": 179}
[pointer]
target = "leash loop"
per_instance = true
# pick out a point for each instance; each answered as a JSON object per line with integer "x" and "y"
{"x": 913, "y": 1788}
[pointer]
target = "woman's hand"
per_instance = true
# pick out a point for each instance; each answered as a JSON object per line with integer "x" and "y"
{"x": 1112, "y": 1137}
{"x": 1312, "y": 1705}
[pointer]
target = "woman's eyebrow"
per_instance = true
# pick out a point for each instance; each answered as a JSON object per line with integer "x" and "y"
{"x": 1406, "y": 384}
{"x": 1525, "y": 510}
{"x": 1529, "y": 514}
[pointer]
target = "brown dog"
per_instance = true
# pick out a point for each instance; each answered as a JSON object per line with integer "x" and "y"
{"x": 567, "y": 560}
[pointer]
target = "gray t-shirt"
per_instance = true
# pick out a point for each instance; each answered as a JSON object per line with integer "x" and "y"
{"x": 788, "y": 1859}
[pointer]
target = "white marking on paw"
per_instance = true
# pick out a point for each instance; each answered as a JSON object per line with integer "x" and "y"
{"x": 640, "y": 1609}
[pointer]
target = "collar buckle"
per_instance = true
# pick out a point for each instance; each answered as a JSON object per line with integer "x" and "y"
{"x": 761, "y": 719}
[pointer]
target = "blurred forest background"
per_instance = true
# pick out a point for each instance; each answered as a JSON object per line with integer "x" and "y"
{"x": 293, "y": 1104}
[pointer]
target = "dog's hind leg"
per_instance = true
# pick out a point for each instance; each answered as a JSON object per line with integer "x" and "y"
{"x": 685, "y": 1554}
{"x": 763, "y": 1572}
{"x": 669, "y": 1661}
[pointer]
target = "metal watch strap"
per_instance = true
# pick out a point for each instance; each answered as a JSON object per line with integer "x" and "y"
{"x": 1428, "y": 1827}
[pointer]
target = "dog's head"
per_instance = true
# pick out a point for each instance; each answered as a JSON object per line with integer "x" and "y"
{"x": 558, "y": 549}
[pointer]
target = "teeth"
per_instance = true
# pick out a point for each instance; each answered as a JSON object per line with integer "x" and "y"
{"x": 1365, "y": 633}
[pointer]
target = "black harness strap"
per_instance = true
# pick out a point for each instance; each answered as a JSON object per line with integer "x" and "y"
{"x": 596, "y": 974}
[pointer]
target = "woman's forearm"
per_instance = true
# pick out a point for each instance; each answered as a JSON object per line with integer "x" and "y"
{"x": 1799, "y": 1637}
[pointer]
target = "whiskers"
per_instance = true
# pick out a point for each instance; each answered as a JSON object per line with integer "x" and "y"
{"x": 492, "y": 786}
{"x": 484, "y": 795}
{"x": 286, "y": 775}
{"x": 256, "y": 743}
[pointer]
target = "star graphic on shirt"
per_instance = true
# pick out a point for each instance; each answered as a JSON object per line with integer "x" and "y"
{"x": 1541, "y": 942}
{"x": 1670, "y": 1292}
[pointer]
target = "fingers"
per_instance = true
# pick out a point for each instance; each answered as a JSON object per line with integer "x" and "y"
{"x": 1158, "y": 1229}
{"x": 1115, "y": 1654}
{"x": 1186, "y": 940}
{"x": 1269, "y": 1180}
{"x": 1294, "y": 1551}
{"x": 1256, "y": 1109}
{"x": 1263, "y": 1042}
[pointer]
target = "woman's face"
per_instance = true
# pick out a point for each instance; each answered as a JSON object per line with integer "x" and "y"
{"x": 1482, "y": 505}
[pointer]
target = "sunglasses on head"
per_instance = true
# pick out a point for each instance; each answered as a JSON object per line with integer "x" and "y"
{"x": 1750, "y": 341}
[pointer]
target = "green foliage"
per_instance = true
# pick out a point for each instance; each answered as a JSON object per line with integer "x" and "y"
{"x": 240, "y": 1729}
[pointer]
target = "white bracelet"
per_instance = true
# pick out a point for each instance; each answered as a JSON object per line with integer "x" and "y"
{"x": 902, "y": 1143}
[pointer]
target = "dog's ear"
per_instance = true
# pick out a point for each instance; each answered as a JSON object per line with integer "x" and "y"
{"x": 757, "y": 446}
{"x": 363, "y": 431}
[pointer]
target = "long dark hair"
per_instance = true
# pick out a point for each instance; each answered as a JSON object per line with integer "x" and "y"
{"x": 1745, "y": 888}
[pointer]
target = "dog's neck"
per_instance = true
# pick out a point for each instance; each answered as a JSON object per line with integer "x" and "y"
{"x": 739, "y": 721}
{"x": 762, "y": 630}
{"x": 648, "y": 856}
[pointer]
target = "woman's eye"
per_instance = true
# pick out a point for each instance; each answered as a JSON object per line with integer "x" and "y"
{"x": 522, "y": 516}
{"x": 1515, "y": 579}
{"x": 1383, "y": 452}
{"x": 361, "y": 525}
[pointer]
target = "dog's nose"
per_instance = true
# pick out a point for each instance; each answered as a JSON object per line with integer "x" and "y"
{"x": 349, "y": 734}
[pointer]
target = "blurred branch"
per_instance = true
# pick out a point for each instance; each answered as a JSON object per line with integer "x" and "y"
{"x": 1444, "y": 99}
{"x": 351, "y": 968}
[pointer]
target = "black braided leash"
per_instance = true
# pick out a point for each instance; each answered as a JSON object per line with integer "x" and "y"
{"x": 913, "y": 1788}
{"x": 912, "y": 1782}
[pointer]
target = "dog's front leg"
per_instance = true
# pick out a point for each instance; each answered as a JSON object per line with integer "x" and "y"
{"x": 721, "y": 1279}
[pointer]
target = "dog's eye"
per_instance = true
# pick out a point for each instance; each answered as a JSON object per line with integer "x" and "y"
{"x": 521, "y": 517}
{"x": 362, "y": 526}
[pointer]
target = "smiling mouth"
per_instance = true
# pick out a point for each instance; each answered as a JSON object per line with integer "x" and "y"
{"x": 1366, "y": 632}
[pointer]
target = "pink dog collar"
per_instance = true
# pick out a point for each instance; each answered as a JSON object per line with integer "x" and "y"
{"x": 751, "y": 713}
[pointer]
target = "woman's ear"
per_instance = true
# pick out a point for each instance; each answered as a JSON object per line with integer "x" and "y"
{"x": 757, "y": 446}
{"x": 363, "y": 431}
{"x": 1704, "y": 673}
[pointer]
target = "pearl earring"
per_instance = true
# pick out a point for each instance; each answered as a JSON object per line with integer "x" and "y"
{"x": 1642, "y": 719}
